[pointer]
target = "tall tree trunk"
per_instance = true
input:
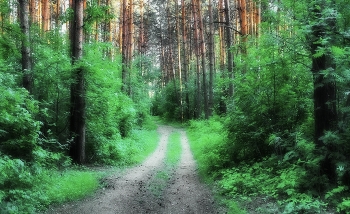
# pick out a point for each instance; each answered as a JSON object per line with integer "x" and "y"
{"x": 58, "y": 12}
{"x": 198, "y": 103}
{"x": 172, "y": 71}
{"x": 230, "y": 64}
{"x": 325, "y": 109}
{"x": 257, "y": 18}
{"x": 222, "y": 105}
{"x": 211, "y": 58}
{"x": 185, "y": 58}
{"x": 27, "y": 80}
{"x": 203, "y": 61}
{"x": 32, "y": 11}
{"x": 179, "y": 57}
{"x": 130, "y": 43}
{"x": 77, "y": 112}
{"x": 45, "y": 15}
{"x": 124, "y": 47}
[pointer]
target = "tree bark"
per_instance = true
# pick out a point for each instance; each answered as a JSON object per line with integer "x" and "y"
{"x": 179, "y": 57}
{"x": 222, "y": 105}
{"x": 27, "y": 80}
{"x": 203, "y": 59}
{"x": 211, "y": 59}
{"x": 77, "y": 111}
{"x": 124, "y": 47}
{"x": 198, "y": 103}
{"x": 185, "y": 58}
{"x": 45, "y": 15}
{"x": 230, "y": 64}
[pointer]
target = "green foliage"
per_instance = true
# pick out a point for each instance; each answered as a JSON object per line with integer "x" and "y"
{"x": 19, "y": 129}
{"x": 207, "y": 143}
{"x": 70, "y": 185}
{"x": 166, "y": 103}
{"x": 344, "y": 206}
{"x": 109, "y": 113}
{"x": 284, "y": 183}
{"x": 271, "y": 97}
{"x": 52, "y": 69}
{"x": 26, "y": 189}
{"x": 142, "y": 144}
{"x": 96, "y": 14}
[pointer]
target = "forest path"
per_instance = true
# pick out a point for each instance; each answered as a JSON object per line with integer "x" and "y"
{"x": 150, "y": 188}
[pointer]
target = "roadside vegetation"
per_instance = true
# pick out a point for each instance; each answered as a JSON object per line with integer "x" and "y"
{"x": 27, "y": 188}
{"x": 273, "y": 184}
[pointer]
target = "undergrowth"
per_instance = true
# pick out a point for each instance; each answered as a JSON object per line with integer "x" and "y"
{"x": 140, "y": 145}
{"x": 30, "y": 188}
{"x": 43, "y": 188}
{"x": 275, "y": 184}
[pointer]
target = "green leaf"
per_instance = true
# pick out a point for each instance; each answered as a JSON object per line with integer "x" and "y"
{"x": 337, "y": 51}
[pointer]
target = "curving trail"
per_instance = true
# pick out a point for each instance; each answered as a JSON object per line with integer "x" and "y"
{"x": 130, "y": 193}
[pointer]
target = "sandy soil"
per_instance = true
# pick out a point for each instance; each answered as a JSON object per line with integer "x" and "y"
{"x": 134, "y": 191}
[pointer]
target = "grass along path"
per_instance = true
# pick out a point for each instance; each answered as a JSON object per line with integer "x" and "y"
{"x": 131, "y": 192}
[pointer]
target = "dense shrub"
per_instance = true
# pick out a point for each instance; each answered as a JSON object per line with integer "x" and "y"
{"x": 207, "y": 143}
{"x": 19, "y": 130}
{"x": 166, "y": 103}
{"x": 271, "y": 97}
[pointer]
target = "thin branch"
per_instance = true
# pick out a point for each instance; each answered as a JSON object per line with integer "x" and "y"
{"x": 225, "y": 25}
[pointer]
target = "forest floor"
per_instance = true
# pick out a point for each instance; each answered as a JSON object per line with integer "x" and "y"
{"x": 150, "y": 187}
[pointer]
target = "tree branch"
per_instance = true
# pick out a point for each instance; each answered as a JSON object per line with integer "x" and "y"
{"x": 225, "y": 25}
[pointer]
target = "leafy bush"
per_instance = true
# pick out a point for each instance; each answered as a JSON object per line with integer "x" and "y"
{"x": 207, "y": 143}
{"x": 25, "y": 189}
{"x": 19, "y": 130}
{"x": 167, "y": 103}
{"x": 284, "y": 183}
{"x": 271, "y": 97}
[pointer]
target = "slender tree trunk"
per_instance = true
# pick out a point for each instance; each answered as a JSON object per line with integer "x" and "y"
{"x": 172, "y": 71}
{"x": 211, "y": 58}
{"x": 179, "y": 57}
{"x": 121, "y": 27}
{"x": 77, "y": 112}
{"x": 203, "y": 59}
{"x": 124, "y": 47}
{"x": 58, "y": 12}
{"x": 230, "y": 64}
{"x": 27, "y": 80}
{"x": 222, "y": 105}
{"x": 185, "y": 58}
{"x": 198, "y": 103}
{"x": 257, "y": 18}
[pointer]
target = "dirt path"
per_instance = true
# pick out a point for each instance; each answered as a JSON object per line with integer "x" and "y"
{"x": 141, "y": 190}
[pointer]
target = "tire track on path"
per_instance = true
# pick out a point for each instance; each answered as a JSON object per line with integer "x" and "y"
{"x": 129, "y": 193}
